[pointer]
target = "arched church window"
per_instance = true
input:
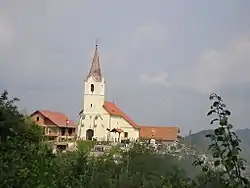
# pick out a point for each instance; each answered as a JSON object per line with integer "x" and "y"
{"x": 92, "y": 88}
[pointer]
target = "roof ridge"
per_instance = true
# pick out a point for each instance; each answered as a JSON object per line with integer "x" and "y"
{"x": 109, "y": 106}
{"x": 158, "y": 126}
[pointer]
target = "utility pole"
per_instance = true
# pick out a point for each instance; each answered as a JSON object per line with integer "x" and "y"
{"x": 67, "y": 122}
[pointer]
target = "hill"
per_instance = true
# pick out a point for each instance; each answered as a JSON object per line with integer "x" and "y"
{"x": 200, "y": 142}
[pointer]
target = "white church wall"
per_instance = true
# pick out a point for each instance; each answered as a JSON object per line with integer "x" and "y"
{"x": 99, "y": 125}
{"x": 119, "y": 122}
{"x": 93, "y": 101}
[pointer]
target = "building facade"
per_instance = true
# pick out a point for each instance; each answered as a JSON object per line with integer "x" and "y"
{"x": 163, "y": 134}
{"x": 56, "y": 126}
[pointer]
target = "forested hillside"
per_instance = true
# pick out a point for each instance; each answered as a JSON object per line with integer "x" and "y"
{"x": 200, "y": 142}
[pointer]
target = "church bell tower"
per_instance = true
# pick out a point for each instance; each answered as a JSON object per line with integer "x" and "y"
{"x": 94, "y": 96}
{"x": 94, "y": 86}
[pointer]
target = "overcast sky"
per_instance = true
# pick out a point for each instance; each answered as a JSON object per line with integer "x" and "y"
{"x": 161, "y": 59}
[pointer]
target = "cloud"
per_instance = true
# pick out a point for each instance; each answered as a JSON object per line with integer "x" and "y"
{"x": 6, "y": 34}
{"x": 151, "y": 34}
{"x": 160, "y": 78}
{"x": 219, "y": 68}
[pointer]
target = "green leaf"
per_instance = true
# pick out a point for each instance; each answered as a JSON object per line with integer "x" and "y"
{"x": 220, "y": 138}
{"x": 216, "y": 119}
{"x": 211, "y": 97}
{"x": 210, "y": 112}
{"x": 230, "y": 126}
{"x": 219, "y": 131}
{"x": 216, "y": 104}
{"x": 204, "y": 168}
{"x": 235, "y": 143}
{"x": 223, "y": 121}
{"x": 216, "y": 154}
{"x": 227, "y": 112}
{"x": 245, "y": 181}
{"x": 216, "y": 163}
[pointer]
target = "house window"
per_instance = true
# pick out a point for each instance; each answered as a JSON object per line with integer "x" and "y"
{"x": 63, "y": 131}
{"x": 126, "y": 134}
{"x": 92, "y": 88}
{"x": 70, "y": 131}
{"x": 37, "y": 118}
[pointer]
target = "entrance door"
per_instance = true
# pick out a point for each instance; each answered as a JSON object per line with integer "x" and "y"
{"x": 89, "y": 134}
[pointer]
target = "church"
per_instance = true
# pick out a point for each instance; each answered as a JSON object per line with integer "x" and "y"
{"x": 103, "y": 121}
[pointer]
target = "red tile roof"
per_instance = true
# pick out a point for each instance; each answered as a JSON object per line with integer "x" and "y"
{"x": 118, "y": 130}
{"x": 58, "y": 118}
{"x": 113, "y": 110}
{"x": 163, "y": 133}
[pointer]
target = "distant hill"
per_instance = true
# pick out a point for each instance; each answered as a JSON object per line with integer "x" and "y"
{"x": 244, "y": 135}
{"x": 201, "y": 143}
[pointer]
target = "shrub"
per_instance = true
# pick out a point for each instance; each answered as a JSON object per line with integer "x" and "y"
{"x": 85, "y": 145}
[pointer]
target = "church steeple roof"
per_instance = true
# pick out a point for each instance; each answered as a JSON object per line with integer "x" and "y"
{"x": 95, "y": 69}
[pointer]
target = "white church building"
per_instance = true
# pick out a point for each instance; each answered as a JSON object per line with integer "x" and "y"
{"x": 100, "y": 119}
{"x": 104, "y": 121}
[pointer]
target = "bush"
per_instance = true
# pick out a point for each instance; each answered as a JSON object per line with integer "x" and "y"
{"x": 85, "y": 145}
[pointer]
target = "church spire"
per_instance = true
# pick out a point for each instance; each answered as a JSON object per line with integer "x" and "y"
{"x": 95, "y": 69}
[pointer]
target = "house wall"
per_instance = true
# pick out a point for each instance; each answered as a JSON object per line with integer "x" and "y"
{"x": 42, "y": 120}
{"x": 49, "y": 127}
{"x": 119, "y": 122}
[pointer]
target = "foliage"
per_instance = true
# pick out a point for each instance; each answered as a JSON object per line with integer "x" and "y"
{"x": 27, "y": 161}
{"x": 85, "y": 145}
{"x": 225, "y": 148}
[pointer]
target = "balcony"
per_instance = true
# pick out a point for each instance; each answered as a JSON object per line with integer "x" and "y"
{"x": 65, "y": 138}
{"x": 51, "y": 133}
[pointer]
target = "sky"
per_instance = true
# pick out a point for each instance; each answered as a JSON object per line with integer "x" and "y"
{"x": 161, "y": 59}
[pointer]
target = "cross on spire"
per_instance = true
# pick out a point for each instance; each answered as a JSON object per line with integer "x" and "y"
{"x": 96, "y": 42}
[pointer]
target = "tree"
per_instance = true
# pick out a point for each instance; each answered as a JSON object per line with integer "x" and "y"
{"x": 225, "y": 148}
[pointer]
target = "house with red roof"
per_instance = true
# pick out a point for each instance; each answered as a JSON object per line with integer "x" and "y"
{"x": 164, "y": 134}
{"x": 56, "y": 125}
{"x": 103, "y": 120}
